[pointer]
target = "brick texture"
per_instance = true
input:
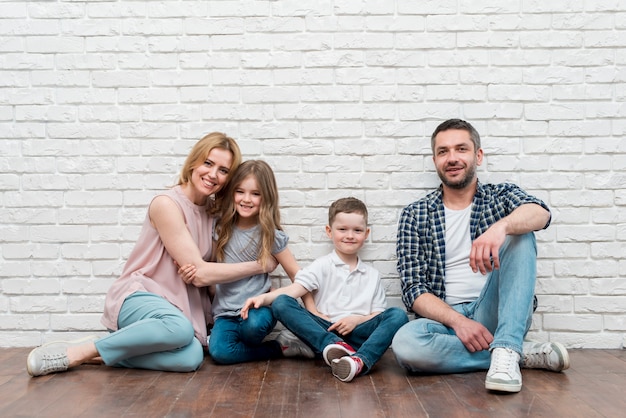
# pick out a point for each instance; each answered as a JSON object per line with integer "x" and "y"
{"x": 100, "y": 101}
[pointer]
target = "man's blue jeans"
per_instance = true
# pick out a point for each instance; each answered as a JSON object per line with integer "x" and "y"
{"x": 504, "y": 307}
{"x": 371, "y": 338}
{"x": 235, "y": 340}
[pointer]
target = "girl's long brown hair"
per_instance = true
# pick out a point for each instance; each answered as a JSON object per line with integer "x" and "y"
{"x": 269, "y": 213}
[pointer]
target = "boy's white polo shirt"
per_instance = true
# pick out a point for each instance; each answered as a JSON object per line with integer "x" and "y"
{"x": 338, "y": 292}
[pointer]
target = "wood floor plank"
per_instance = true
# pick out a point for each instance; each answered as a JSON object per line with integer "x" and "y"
{"x": 358, "y": 398}
{"x": 280, "y": 393}
{"x": 394, "y": 392}
{"x": 202, "y": 391}
{"x": 240, "y": 395}
{"x": 318, "y": 392}
{"x": 592, "y": 387}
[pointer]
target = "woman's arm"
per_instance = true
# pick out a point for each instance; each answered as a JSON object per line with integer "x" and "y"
{"x": 166, "y": 217}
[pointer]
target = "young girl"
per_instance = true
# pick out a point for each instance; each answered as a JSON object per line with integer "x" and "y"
{"x": 249, "y": 230}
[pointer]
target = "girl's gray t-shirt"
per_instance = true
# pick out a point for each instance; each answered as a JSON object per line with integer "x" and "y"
{"x": 244, "y": 246}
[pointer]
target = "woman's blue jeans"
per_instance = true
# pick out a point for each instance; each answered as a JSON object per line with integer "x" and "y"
{"x": 371, "y": 338}
{"x": 153, "y": 334}
{"x": 235, "y": 340}
{"x": 504, "y": 307}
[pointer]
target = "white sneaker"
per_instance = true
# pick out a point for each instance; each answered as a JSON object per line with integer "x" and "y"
{"x": 52, "y": 357}
{"x": 292, "y": 346}
{"x": 504, "y": 374}
{"x": 550, "y": 356}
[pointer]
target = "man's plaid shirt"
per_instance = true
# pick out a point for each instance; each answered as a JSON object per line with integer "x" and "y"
{"x": 421, "y": 234}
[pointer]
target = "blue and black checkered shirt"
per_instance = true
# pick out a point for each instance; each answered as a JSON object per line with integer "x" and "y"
{"x": 421, "y": 234}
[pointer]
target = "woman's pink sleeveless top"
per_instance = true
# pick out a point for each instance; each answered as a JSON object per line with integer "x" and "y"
{"x": 150, "y": 268}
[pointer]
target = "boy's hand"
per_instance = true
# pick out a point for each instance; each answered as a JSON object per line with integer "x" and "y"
{"x": 346, "y": 325}
{"x": 255, "y": 302}
{"x": 187, "y": 272}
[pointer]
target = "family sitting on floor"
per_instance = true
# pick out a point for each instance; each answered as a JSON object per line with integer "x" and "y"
{"x": 466, "y": 255}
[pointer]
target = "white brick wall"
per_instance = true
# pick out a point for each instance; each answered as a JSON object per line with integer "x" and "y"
{"x": 101, "y": 100}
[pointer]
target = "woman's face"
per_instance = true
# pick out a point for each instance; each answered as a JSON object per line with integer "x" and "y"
{"x": 209, "y": 177}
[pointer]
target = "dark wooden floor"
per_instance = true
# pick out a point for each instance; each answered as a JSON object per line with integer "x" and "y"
{"x": 594, "y": 386}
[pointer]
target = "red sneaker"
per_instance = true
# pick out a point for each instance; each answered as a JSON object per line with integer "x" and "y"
{"x": 336, "y": 351}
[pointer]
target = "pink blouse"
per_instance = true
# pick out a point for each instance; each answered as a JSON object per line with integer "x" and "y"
{"x": 150, "y": 268}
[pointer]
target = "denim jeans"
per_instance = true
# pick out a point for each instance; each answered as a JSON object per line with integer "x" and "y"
{"x": 371, "y": 338}
{"x": 504, "y": 307}
{"x": 153, "y": 334}
{"x": 235, "y": 340}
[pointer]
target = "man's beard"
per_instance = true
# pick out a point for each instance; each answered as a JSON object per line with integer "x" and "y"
{"x": 461, "y": 183}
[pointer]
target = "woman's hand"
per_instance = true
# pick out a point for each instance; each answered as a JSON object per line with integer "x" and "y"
{"x": 270, "y": 264}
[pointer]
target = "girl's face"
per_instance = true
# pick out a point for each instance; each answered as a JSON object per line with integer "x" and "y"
{"x": 209, "y": 177}
{"x": 248, "y": 200}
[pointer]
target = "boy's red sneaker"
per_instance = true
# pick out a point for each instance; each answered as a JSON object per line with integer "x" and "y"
{"x": 347, "y": 368}
{"x": 336, "y": 351}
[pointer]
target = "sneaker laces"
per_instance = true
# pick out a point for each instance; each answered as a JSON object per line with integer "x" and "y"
{"x": 54, "y": 362}
{"x": 503, "y": 361}
{"x": 538, "y": 357}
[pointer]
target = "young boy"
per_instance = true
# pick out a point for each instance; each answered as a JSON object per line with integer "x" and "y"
{"x": 355, "y": 327}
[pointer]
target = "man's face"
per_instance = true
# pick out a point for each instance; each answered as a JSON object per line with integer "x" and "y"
{"x": 456, "y": 159}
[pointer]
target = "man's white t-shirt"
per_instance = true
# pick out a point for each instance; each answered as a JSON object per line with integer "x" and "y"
{"x": 462, "y": 284}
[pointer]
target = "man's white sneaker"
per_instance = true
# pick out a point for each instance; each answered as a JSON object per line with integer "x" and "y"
{"x": 550, "y": 356}
{"x": 504, "y": 374}
{"x": 292, "y": 346}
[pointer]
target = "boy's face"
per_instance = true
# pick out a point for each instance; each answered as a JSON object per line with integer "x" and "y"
{"x": 348, "y": 232}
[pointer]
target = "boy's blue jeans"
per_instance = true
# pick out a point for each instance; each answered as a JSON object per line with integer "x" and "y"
{"x": 371, "y": 338}
{"x": 235, "y": 340}
{"x": 504, "y": 307}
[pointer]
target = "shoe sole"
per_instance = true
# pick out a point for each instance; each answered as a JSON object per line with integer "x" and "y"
{"x": 72, "y": 342}
{"x": 564, "y": 354}
{"x": 502, "y": 387}
{"x": 342, "y": 370}
{"x": 335, "y": 353}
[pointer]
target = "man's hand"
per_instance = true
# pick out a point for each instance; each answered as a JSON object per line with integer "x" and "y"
{"x": 473, "y": 335}
{"x": 484, "y": 255}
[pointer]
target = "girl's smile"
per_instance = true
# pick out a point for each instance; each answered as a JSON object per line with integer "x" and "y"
{"x": 247, "y": 201}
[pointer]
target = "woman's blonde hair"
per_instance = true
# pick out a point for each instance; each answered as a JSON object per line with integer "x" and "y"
{"x": 199, "y": 153}
{"x": 269, "y": 212}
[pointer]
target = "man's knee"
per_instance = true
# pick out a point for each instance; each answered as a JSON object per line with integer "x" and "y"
{"x": 411, "y": 346}
{"x": 524, "y": 242}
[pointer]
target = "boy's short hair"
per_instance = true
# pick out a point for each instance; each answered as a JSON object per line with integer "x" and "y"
{"x": 346, "y": 205}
